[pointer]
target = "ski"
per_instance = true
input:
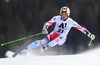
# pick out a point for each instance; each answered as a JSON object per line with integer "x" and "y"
{"x": 21, "y": 48}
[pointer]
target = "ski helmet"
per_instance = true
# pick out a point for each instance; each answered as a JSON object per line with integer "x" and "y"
{"x": 65, "y": 9}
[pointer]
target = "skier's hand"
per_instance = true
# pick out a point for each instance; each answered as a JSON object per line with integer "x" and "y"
{"x": 44, "y": 31}
{"x": 92, "y": 36}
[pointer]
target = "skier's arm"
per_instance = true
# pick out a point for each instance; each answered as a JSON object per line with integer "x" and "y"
{"x": 47, "y": 24}
{"x": 84, "y": 30}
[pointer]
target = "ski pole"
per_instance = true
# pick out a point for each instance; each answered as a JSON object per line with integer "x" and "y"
{"x": 20, "y": 39}
{"x": 90, "y": 42}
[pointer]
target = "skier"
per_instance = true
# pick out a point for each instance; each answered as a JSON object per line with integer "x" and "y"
{"x": 63, "y": 24}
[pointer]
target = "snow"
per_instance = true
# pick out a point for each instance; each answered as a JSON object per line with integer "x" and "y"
{"x": 91, "y": 57}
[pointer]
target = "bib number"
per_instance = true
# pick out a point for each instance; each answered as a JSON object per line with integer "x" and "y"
{"x": 61, "y": 27}
{"x": 60, "y": 31}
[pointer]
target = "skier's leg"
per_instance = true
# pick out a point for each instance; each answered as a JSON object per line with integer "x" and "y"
{"x": 37, "y": 43}
{"x": 57, "y": 41}
{"x": 54, "y": 42}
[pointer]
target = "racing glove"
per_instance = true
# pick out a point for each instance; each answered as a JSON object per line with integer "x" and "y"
{"x": 44, "y": 30}
{"x": 91, "y": 36}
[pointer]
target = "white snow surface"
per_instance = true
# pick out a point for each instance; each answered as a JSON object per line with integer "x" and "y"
{"x": 91, "y": 57}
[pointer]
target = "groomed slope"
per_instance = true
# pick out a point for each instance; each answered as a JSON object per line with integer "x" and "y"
{"x": 91, "y": 57}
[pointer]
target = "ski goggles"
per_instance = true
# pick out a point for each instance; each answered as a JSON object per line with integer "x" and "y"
{"x": 63, "y": 14}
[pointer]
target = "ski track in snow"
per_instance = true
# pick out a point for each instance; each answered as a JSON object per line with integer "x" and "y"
{"x": 91, "y": 57}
